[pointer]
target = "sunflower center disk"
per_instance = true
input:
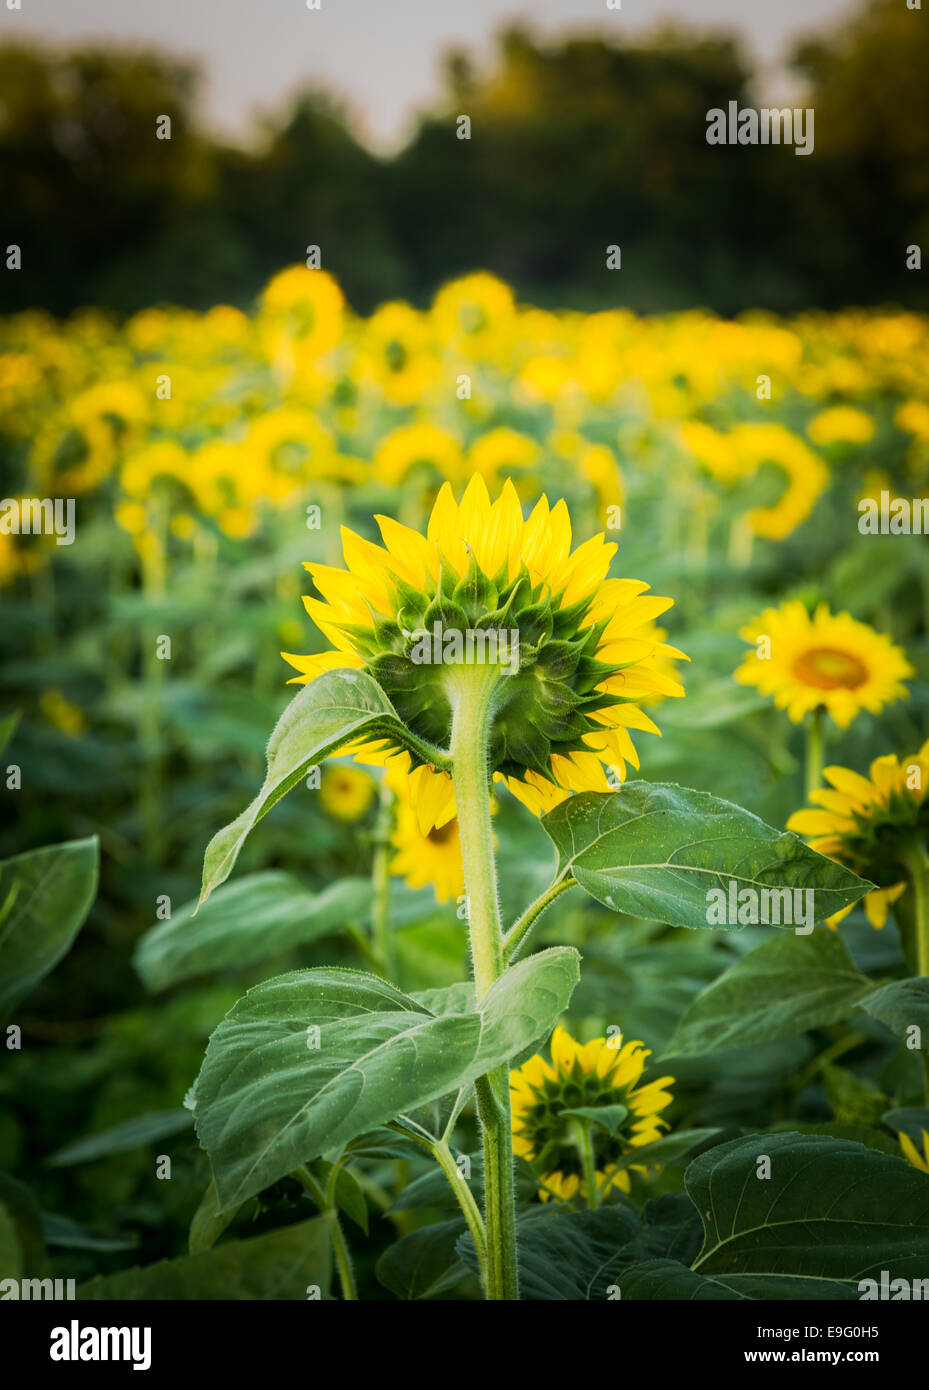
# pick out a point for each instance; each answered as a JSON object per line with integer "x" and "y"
{"x": 830, "y": 669}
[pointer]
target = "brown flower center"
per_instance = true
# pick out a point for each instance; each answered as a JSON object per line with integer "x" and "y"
{"x": 441, "y": 834}
{"x": 830, "y": 669}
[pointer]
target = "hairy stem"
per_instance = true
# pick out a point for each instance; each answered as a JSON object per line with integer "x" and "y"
{"x": 472, "y": 693}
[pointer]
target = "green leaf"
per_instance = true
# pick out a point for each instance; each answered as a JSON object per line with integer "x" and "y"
{"x": 423, "y": 1264}
{"x": 252, "y": 919}
{"x": 44, "y": 897}
{"x": 280, "y": 1265}
{"x": 349, "y": 1197}
{"x": 22, "y": 1210}
{"x": 208, "y": 1222}
{"x": 666, "y": 1150}
{"x": 122, "y": 1138}
{"x": 656, "y": 850}
{"x": 608, "y": 1117}
{"x": 11, "y": 1252}
{"x": 830, "y": 1214}
{"x": 660, "y": 1280}
{"x": 785, "y": 986}
{"x": 63, "y": 1232}
{"x": 910, "y": 1120}
{"x": 567, "y": 1255}
{"x": 901, "y": 1005}
{"x": 330, "y": 712}
{"x": 265, "y": 1101}
{"x": 8, "y": 728}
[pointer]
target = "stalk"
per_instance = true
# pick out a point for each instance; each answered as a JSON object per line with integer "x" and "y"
{"x": 916, "y": 860}
{"x": 382, "y": 936}
{"x": 471, "y": 693}
{"x": 814, "y": 752}
{"x": 339, "y": 1248}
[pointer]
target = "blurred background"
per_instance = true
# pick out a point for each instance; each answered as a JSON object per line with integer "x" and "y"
{"x": 337, "y": 127}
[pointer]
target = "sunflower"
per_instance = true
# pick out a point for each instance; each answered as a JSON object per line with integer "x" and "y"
{"x": 841, "y": 424}
{"x": 576, "y": 654}
{"x": 346, "y": 792}
{"x": 912, "y": 1154}
{"x": 475, "y": 314}
{"x": 869, "y": 822}
{"x": 828, "y": 661}
{"x": 433, "y": 857}
{"x": 301, "y": 313}
{"x": 396, "y": 354}
{"x": 600, "y": 1074}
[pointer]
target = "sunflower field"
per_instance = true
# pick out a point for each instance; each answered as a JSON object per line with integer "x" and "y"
{"x": 466, "y": 830}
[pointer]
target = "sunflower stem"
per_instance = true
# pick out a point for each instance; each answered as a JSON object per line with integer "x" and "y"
{"x": 383, "y": 940}
{"x": 339, "y": 1248}
{"x": 520, "y": 929}
{"x": 583, "y": 1139}
{"x": 471, "y": 692}
{"x": 465, "y": 1198}
{"x": 916, "y": 860}
{"x": 814, "y": 752}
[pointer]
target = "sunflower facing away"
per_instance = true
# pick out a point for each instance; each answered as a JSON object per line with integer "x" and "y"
{"x": 827, "y": 661}
{"x": 597, "y": 1074}
{"x": 865, "y": 822}
{"x": 582, "y": 660}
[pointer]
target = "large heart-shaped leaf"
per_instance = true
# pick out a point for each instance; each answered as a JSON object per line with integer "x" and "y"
{"x": 657, "y": 850}
{"x": 786, "y": 985}
{"x": 327, "y": 714}
{"x": 308, "y": 1061}
{"x": 283, "y": 1264}
{"x": 821, "y": 1216}
{"x": 44, "y": 897}
{"x": 252, "y": 919}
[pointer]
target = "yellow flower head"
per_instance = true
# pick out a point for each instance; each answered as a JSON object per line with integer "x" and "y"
{"x": 605, "y": 1072}
{"x": 485, "y": 587}
{"x": 433, "y": 857}
{"x": 865, "y": 823}
{"x": 827, "y": 661}
{"x": 346, "y": 792}
{"x": 841, "y": 424}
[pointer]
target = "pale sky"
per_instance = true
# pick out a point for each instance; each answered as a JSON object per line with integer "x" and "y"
{"x": 380, "y": 56}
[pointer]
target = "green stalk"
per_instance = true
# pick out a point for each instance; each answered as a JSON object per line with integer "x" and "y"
{"x": 445, "y": 1159}
{"x": 382, "y": 936}
{"x": 916, "y": 860}
{"x": 814, "y": 752}
{"x": 339, "y": 1248}
{"x": 582, "y": 1132}
{"x": 471, "y": 693}
{"x": 520, "y": 929}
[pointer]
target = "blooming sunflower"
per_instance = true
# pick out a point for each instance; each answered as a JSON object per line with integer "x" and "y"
{"x": 582, "y": 658}
{"x": 867, "y": 823}
{"x": 346, "y": 792}
{"x": 597, "y": 1075}
{"x": 912, "y": 1154}
{"x": 433, "y": 857}
{"x": 827, "y": 661}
